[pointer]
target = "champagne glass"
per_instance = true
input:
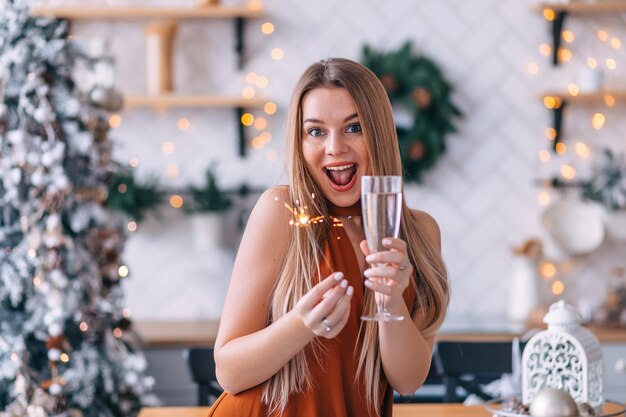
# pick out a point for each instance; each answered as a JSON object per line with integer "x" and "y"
{"x": 381, "y": 202}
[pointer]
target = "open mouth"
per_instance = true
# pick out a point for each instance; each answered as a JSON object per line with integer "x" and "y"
{"x": 341, "y": 176}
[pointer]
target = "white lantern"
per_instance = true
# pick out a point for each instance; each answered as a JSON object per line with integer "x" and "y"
{"x": 566, "y": 356}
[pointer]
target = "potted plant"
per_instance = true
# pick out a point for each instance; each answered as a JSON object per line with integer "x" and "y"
{"x": 607, "y": 186}
{"x": 207, "y": 208}
{"x": 132, "y": 198}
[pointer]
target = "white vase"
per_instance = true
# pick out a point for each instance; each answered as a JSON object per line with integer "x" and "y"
{"x": 615, "y": 222}
{"x": 577, "y": 226}
{"x": 524, "y": 290}
{"x": 207, "y": 230}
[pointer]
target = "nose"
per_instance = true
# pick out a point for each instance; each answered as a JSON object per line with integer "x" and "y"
{"x": 335, "y": 145}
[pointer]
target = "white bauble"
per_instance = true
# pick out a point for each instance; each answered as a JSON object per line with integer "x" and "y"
{"x": 577, "y": 226}
{"x": 553, "y": 402}
{"x": 53, "y": 355}
{"x": 16, "y": 175}
{"x": 47, "y": 159}
{"x": 106, "y": 98}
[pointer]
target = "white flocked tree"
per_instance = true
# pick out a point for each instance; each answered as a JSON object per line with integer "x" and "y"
{"x": 66, "y": 342}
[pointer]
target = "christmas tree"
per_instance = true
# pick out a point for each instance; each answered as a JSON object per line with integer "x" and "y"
{"x": 66, "y": 343}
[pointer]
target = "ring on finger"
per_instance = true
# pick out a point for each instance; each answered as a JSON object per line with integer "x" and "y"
{"x": 327, "y": 325}
{"x": 405, "y": 266}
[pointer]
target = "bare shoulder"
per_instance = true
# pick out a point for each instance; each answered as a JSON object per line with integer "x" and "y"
{"x": 257, "y": 266}
{"x": 427, "y": 224}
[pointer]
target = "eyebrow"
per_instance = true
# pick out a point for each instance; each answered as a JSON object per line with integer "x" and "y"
{"x": 352, "y": 116}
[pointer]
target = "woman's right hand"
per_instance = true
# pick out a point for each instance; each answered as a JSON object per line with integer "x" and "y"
{"x": 326, "y": 307}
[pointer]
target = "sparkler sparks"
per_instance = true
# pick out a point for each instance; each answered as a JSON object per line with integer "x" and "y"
{"x": 301, "y": 216}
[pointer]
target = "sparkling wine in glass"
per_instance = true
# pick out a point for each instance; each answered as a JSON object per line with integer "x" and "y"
{"x": 381, "y": 202}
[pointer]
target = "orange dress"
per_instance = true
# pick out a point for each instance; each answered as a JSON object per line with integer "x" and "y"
{"x": 334, "y": 391}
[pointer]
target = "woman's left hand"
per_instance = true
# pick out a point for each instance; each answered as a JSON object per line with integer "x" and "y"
{"x": 389, "y": 273}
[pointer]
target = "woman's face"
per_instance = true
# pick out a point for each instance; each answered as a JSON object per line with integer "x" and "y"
{"x": 333, "y": 144}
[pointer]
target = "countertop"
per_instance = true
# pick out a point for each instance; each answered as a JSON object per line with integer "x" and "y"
{"x": 204, "y": 332}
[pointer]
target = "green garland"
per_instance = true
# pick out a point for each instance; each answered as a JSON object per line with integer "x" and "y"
{"x": 416, "y": 83}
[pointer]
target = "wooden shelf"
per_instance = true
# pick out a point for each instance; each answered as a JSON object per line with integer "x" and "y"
{"x": 204, "y": 12}
{"x": 587, "y": 98}
{"x": 562, "y": 10}
{"x": 175, "y": 100}
{"x": 564, "y": 99}
{"x": 165, "y": 101}
{"x": 600, "y": 7}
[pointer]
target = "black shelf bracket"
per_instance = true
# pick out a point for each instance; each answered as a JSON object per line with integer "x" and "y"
{"x": 557, "y": 31}
{"x": 557, "y": 113}
{"x": 240, "y": 23}
{"x": 241, "y": 132}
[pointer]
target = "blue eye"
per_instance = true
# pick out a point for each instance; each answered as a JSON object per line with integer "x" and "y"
{"x": 315, "y": 132}
{"x": 354, "y": 128}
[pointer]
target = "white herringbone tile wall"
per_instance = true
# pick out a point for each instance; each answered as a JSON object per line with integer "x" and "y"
{"x": 481, "y": 192}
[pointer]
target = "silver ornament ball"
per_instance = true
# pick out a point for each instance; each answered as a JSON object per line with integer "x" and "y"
{"x": 553, "y": 402}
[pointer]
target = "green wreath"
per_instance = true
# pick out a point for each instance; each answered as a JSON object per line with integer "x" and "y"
{"x": 417, "y": 84}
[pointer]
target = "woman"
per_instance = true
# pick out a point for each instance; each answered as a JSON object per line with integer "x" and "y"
{"x": 291, "y": 341}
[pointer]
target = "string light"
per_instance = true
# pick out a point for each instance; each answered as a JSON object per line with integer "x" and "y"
{"x": 122, "y": 271}
{"x": 14, "y": 357}
{"x": 267, "y": 28}
{"x": 278, "y": 54}
{"x": 64, "y": 357}
{"x": 262, "y": 82}
{"x": 132, "y": 226}
{"x": 616, "y": 43}
{"x": 602, "y": 35}
{"x": 592, "y": 63}
{"x": 611, "y": 64}
{"x": 609, "y": 100}
{"x": 176, "y": 201}
{"x": 598, "y": 120}
{"x": 568, "y": 172}
{"x": 168, "y": 147}
{"x": 545, "y": 49}
{"x": 255, "y": 4}
{"x": 544, "y": 198}
{"x": 251, "y": 77}
{"x": 560, "y": 148}
{"x": 122, "y": 188}
{"x": 260, "y": 123}
{"x": 558, "y": 287}
{"x": 565, "y": 55}
{"x": 549, "y": 14}
{"x": 533, "y": 68}
{"x": 83, "y": 326}
{"x": 269, "y": 108}
{"x": 257, "y": 142}
{"x": 32, "y": 253}
{"x": 115, "y": 120}
{"x": 248, "y": 92}
{"x": 117, "y": 332}
{"x": 548, "y": 270}
{"x": 544, "y": 156}
{"x": 36, "y": 281}
{"x": 126, "y": 313}
{"x": 573, "y": 89}
{"x": 266, "y": 137}
{"x": 247, "y": 119}
{"x": 183, "y": 124}
{"x": 134, "y": 162}
{"x": 568, "y": 36}
{"x": 552, "y": 102}
{"x": 583, "y": 150}
{"x": 550, "y": 133}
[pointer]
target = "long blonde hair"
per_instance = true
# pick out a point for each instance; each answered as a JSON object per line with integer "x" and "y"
{"x": 302, "y": 261}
